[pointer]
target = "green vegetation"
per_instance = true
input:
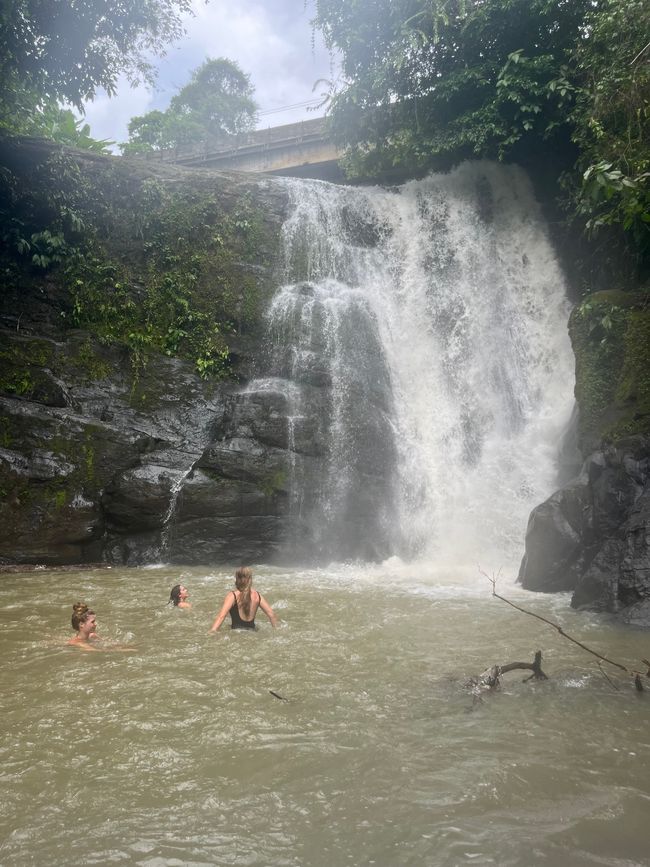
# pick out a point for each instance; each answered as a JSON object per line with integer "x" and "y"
{"x": 6, "y": 438}
{"x": 151, "y": 266}
{"x": 217, "y": 101}
{"x": 610, "y": 119}
{"x": 65, "y": 52}
{"x": 274, "y": 483}
{"x": 32, "y": 350}
{"x": 187, "y": 294}
{"x": 89, "y": 361}
{"x": 59, "y": 498}
{"x": 20, "y": 366}
{"x": 610, "y": 332}
{"x": 40, "y": 219}
{"x": 430, "y": 82}
{"x": 18, "y": 382}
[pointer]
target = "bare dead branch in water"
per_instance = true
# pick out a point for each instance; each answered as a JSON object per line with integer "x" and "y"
{"x": 632, "y": 672}
{"x": 535, "y": 666}
{"x": 607, "y": 677}
{"x": 491, "y": 677}
{"x": 278, "y": 696}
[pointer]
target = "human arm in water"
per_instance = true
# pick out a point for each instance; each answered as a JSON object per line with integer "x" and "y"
{"x": 270, "y": 613}
{"x": 221, "y": 616}
{"x": 83, "y": 644}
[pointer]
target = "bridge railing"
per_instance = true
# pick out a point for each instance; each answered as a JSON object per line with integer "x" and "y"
{"x": 260, "y": 139}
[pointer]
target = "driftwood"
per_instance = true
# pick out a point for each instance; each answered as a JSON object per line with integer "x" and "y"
{"x": 491, "y": 677}
{"x": 633, "y": 673}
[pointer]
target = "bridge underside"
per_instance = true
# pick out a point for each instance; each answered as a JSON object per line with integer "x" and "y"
{"x": 301, "y": 150}
{"x": 328, "y": 170}
{"x": 304, "y": 160}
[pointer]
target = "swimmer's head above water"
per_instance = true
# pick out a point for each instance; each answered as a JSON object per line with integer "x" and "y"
{"x": 83, "y": 619}
{"x": 243, "y": 577}
{"x": 178, "y": 596}
{"x": 84, "y": 624}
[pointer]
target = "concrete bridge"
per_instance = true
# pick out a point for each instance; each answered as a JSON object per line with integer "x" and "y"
{"x": 301, "y": 149}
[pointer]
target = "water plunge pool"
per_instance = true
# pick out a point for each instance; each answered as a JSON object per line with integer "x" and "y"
{"x": 179, "y": 754}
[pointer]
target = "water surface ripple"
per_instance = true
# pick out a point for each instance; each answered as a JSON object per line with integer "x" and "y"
{"x": 179, "y": 755}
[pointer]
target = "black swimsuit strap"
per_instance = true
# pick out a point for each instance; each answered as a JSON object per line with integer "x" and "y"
{"x": 259, "y": 602}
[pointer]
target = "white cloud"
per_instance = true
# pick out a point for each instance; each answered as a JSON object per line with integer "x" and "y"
{"x": 109, "y": 116}
{"x": 271, "y": 41}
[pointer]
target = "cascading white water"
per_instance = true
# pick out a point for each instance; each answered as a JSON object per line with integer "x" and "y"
{"x": 425, "y": 328}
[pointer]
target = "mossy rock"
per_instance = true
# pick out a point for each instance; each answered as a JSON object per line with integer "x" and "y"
{"x": 610, "y": 332}
{"x": 158, "y": 259}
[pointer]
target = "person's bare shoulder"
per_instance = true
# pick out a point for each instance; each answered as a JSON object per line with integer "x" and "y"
{"x": 81, "y": 645}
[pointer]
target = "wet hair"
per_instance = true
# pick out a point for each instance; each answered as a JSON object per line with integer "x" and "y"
{"x": 80, "y": 613}
{"x": 175, "y": 595}
{"x": 244, "y": 583}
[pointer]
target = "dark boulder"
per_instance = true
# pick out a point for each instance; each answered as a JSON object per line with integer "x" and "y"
{"x": 593, "y": 535}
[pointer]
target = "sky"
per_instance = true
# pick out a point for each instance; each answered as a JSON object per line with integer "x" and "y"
{"x": 271, "y": 40}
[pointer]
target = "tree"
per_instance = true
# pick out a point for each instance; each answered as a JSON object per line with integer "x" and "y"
{"x": 64, "y": 51}
{"x": 147, "y": 133}
{"x": 158, "y": 130}
{"x": 611, "y": 119}
{"x": 217, "y": 101}
{"x": 431, "y": 82}
{"x": 219, "y": 97}
{"x": 445, "y": 78}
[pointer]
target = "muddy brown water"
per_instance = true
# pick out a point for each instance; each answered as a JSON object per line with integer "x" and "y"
{"x": 178, "y": 753}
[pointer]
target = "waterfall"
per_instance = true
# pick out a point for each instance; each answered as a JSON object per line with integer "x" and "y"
{"x": 419, "y": 341}
{"x": 168, "y": 520}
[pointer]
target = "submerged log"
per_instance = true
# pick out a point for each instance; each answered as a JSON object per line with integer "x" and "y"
{"x": 491, "y": 677}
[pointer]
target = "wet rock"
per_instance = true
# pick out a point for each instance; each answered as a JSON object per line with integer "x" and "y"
{"x": 46, "y": 465}
{"x": 248, "y": 539}
{"x": 593, "y": 535}
{"x": 361, "y": 228}
{"x": 78, "y": 478}
{"x": 559, "y": 540}
{"x": 138, "y": 499}
{"x": 208, "y": 494}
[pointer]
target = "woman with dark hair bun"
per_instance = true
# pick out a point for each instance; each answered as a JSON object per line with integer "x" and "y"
{"x": 178, "y": 597}
{"x": 242, "y": 603}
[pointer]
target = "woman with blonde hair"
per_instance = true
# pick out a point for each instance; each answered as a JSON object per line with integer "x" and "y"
{"x": 242, "y": 603}
{"x": 84, "y": 623}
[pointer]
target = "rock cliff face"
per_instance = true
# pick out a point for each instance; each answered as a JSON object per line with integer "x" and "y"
{"x": 592, "y": 536}
{"x": 93, "y": 470}
{"x": 116, "y": 434}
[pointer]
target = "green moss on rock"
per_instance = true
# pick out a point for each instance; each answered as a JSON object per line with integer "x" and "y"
{"x": 274, "y": 483}
{"x": 152, "y": 258}
{"x": 89, "y": 362}
{"x": 20, "y": 359}
{"x": 610, "y": 332}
